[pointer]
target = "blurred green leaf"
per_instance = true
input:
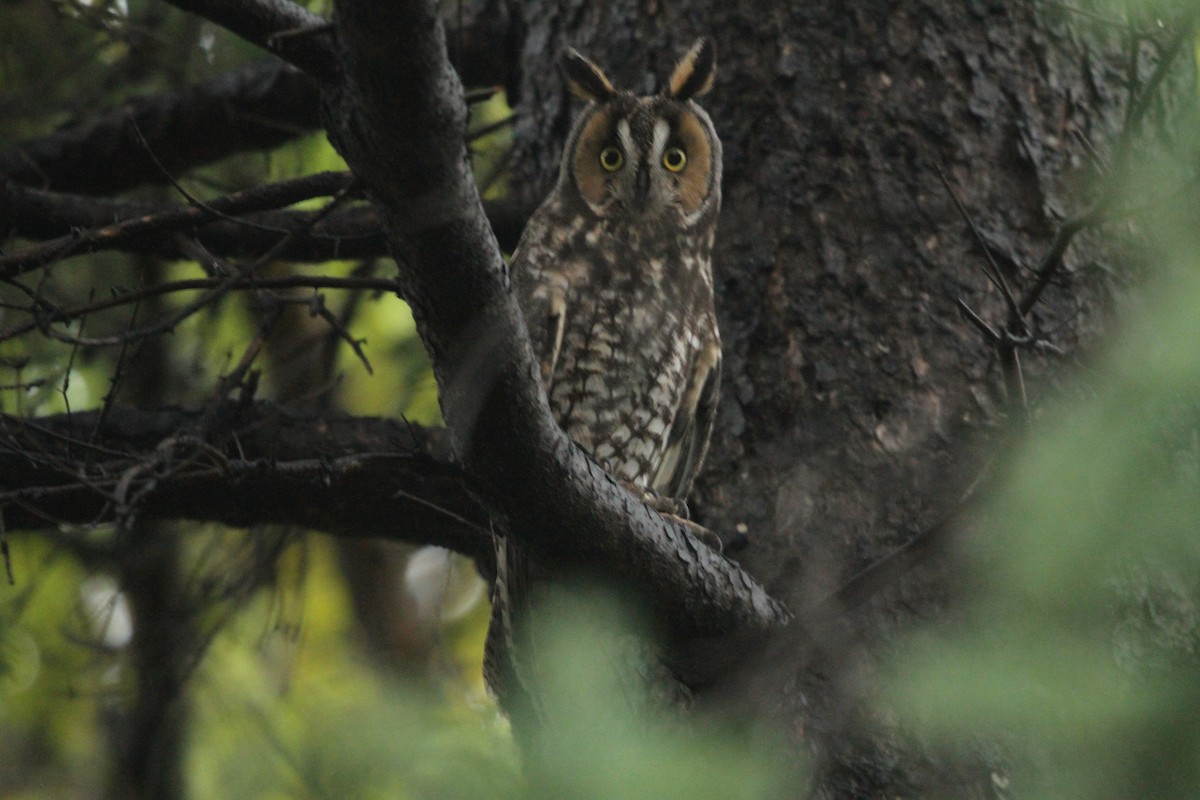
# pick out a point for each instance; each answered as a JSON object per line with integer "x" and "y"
{"x": 1082, "y": 642}
{"x": 602, "y": 741}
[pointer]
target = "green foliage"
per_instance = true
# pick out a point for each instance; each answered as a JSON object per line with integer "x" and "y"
{"x": 295, "y": 712}
{"x": 281, "y": 716}
{"x": 52, "y": 687}
{"x": 1081, "y": 647}
{"x": 602, "y": 743}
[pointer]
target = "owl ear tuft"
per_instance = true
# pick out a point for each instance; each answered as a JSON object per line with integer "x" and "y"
{"x": 694, "y": 74}
{"x": 584, "y": 78}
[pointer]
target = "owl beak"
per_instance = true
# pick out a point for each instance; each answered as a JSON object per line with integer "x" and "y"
{"x": 642, "y": 185}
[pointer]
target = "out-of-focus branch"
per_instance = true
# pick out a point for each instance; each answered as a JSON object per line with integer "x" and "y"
{"x": 257, "y": 107}
{"x": 280, "y": 27}
{"x": 238, "y": 465}
{"x": 352, "y": 231}
{"x": 212, "y": 286}
{"x": 258, "y": 198}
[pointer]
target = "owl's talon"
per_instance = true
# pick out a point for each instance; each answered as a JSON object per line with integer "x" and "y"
{"x": 676, "y": 507}
{"x": 702, "y": 533}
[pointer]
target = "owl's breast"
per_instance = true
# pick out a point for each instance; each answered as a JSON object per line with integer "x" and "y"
{"x": 630, "y": 341}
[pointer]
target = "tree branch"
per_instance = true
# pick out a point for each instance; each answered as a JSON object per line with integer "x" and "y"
{"x": 257, "y": 198}
{"x": 404, "y": 139}
{"x": 213, "y": 287}
{"x": 257, "y": 107}
{"x": 484, "y": 53}
{"x": 239, "y": 465}
{"x": 280, "y": 27}
{"x": 348, "y": 232}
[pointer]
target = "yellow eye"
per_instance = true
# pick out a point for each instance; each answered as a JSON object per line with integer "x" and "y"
{"x": 674, "y": 159}
{"x": 611, "y": 158}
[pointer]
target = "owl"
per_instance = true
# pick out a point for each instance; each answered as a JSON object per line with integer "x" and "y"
{"x": 614, "y": 278}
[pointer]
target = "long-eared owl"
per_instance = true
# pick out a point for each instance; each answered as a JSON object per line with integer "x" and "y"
{"x": 614, "y": 278}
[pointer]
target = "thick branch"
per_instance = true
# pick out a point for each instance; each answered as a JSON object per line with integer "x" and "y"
{"x": 239, "y": 465}
{"x": 281, "y": 27}
{"x": 257, "y": 107}
{"x": 405, "y": 141}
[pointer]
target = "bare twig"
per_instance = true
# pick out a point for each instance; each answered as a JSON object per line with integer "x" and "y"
{"x": 349, "y": 232}
{"x": 886, "y": 570}
{"x": 259, "y": 198}
{"x": 995, "y": 274}
{"x": 482, "y": 94}
{"x": 317, "y": 308}
{"x": 4, "y": 553}
{"x": 1053, "y": 259}
{"x": 988, "y": 331}
{"x": 118, "y": 372}
{"x": 1015, "y": 327}
{"x": 490, "y": 128}
{"x": 213, "y": 287}
{"x": 1016, "y": 330}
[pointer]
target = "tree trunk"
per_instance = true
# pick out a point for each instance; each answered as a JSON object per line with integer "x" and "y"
{"x": 149, "y": 733}
{"x": 856, "y": 392}
{"x": 853, "y": 388}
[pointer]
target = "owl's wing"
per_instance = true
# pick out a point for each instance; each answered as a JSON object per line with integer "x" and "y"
{"x": 544, "y": 307}
{"x": 506, "y": 661}
{"x": 687, "y": 443}
{"x": 555, "y": 324}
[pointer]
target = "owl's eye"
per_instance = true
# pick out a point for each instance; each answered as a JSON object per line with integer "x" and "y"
{"x": 674, "y": 159}
{"x": 611, "y": 158}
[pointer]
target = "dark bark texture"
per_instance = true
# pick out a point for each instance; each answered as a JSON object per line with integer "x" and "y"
{"x": 853, "y": 389}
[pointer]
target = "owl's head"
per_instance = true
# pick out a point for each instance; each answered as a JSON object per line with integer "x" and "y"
{"x": 654, "y": 156}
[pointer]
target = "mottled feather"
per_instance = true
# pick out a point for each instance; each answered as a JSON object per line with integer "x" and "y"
{"x": 614, "y": 278}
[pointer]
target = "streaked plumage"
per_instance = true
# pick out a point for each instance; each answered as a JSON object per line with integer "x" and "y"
{"x": 614, "y": 278}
